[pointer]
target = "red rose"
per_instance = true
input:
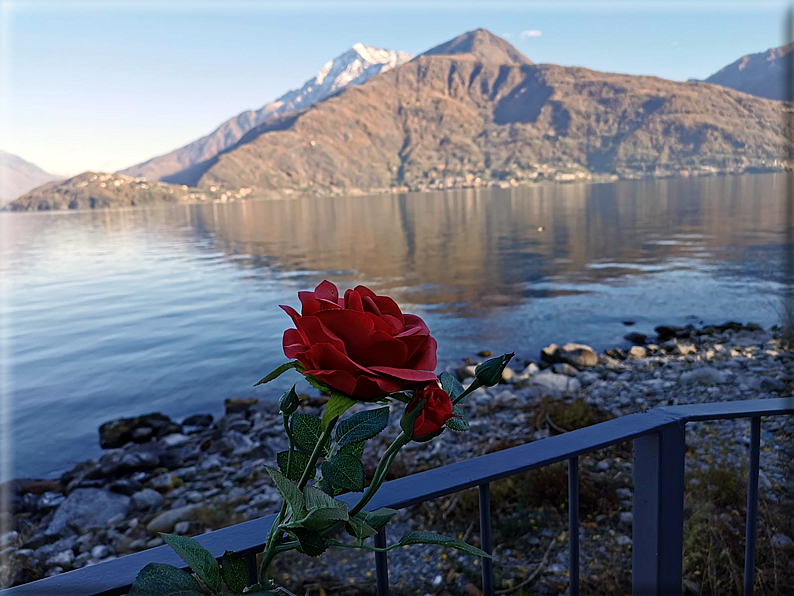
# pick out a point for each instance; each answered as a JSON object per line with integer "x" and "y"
{"x": 437, "y": 410}
{"x": 362, "y": 344}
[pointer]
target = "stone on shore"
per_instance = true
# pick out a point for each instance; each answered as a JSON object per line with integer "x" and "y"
{"x": 578, "y": 355}
{"x": 554, "y": 382}
{"x": 86, "y": 509}
{"x": 705, "y": 376}
{"x": 166, "y": 521}
{"x": 119, "y": 432}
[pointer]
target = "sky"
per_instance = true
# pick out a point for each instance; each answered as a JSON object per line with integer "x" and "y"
{"x": 87, "y": 85}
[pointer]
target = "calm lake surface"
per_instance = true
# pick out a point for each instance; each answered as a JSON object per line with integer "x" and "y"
{"x": 173, "y": 309}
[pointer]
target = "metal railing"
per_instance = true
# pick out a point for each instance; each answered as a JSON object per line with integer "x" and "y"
{"x": 658, "y": 506}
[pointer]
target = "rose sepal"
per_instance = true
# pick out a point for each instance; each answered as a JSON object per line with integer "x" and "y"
{"x": 410, "y": 416}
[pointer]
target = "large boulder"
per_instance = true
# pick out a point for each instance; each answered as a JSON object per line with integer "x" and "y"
{"x": 577, "y": 355}
{"x": 87, "y": 509}
{"x": 121, "y": 431}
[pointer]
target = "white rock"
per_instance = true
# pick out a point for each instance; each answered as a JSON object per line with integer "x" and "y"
{"x": 554, "y": 382}
{"x": 175, "y": 440}
{"x": 705, "y": 376}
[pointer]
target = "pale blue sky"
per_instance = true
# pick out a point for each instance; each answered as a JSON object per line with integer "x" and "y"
{"x": 103, "y": 85}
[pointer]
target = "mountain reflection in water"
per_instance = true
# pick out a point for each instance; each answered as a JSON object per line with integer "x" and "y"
{"x": 172, "y": 309}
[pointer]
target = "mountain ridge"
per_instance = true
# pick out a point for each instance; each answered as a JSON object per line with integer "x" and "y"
{"x": 759, "y": 74}
{"x": 352, "y": 67}
{"x": 18, "y": 176}
{"x": 472, "y": 112}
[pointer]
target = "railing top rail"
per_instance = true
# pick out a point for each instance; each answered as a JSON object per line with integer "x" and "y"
{"x": 115, "y": 577}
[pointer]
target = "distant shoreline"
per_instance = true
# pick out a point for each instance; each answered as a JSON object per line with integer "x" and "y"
{"x": 590, "y": 179}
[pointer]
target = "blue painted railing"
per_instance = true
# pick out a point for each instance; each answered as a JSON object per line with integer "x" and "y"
{"x": 659, "y": 449}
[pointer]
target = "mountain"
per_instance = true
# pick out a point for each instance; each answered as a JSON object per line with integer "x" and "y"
{"x": 451, "y": 118}
{"x": 758, "y": 74}
{"x": 480, "y": 45}
{"x": 476, "y": 112}
{"x": 356, "y": 66}
{"x": 18, "y": 176}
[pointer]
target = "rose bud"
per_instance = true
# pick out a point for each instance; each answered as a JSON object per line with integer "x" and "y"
{"x": 360, "y": 344}
{"x": 433, "y": 416}
{"x": 489, "y": 373}
{"x": 289, "y": 402}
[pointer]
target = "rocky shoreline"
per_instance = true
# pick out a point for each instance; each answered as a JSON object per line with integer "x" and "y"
{"x": 158, "y": 475}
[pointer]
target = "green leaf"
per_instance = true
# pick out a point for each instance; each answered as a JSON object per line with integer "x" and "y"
{"x": 361, "y": 426}
{"x": 233, "y": 571}
{"x": 450, "y": 384}
{"x": 316, "y": 499}
{"x": 345, "y": 471}
{"x": 326, "y": 487}
{"x": 354, "y": 449}
{"x": 317, "y": 384}
{"x": 279, "y": 371}
{"x": 306, "y": 431}
{"x": 489, "y": 373}
{"x": 198, "y": 559}
{"x": 157, "y": 579}
{"x": 379, "y": 518}
{"x": 291, "y": 493}
{"x": 460, "y": 423}
{"x": 323, "y": 510}
{"x": 311, "y": 542}
{"x": 299, "y": 462}
{"x": 358, "y": 528}
{"x": 289, "y": 402}
{"x": 337, "y": 405}
{"x": 433, "y": 538}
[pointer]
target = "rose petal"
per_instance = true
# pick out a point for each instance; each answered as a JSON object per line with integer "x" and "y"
{"x": 425, "y": 358}
{"x": 317, "y": 333}
{"x": 326, "y": 290}
{"x": 338, "y": 379}
{"x": 405, "y": 374}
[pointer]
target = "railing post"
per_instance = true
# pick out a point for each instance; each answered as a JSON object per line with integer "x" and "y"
{"x": 658, "y": 527}
{"x": 485, "y": 538}
{"x": 381, "y": 565}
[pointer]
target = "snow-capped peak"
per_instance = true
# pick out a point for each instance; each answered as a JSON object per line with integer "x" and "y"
{"x": 356, "y": 66}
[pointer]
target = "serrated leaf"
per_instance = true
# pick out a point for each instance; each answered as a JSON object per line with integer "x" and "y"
{"x": 299, "y": 462}
{"x": 317, "y": 384}
{"x": 311, "y": 542}
{"x": 322, "y": 510}
{"x": 317, "y": 499}
{"x": 354, "y": 449}
{"x": 234, "y": 572}
{"x": 379, "y": 518}
{"x": 433, "y": 538}
{"x": 198, "y": 558}
{"x": 157, "y": 579}
{"x": 344, "y": 471}
{"x": 450, "y": 385}
{"x": 279, "y": 371}
{"x": 337, "y": 405}
{"x": 289, "y": 491}
{"x": 460, "y": 423}
{"x": 359, "y": 529}
{"x": 306, "y": 431}
{"x": 361, "y": 426}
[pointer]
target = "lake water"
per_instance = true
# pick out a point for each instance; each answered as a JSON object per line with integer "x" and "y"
{"x": 173, "y": 309}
